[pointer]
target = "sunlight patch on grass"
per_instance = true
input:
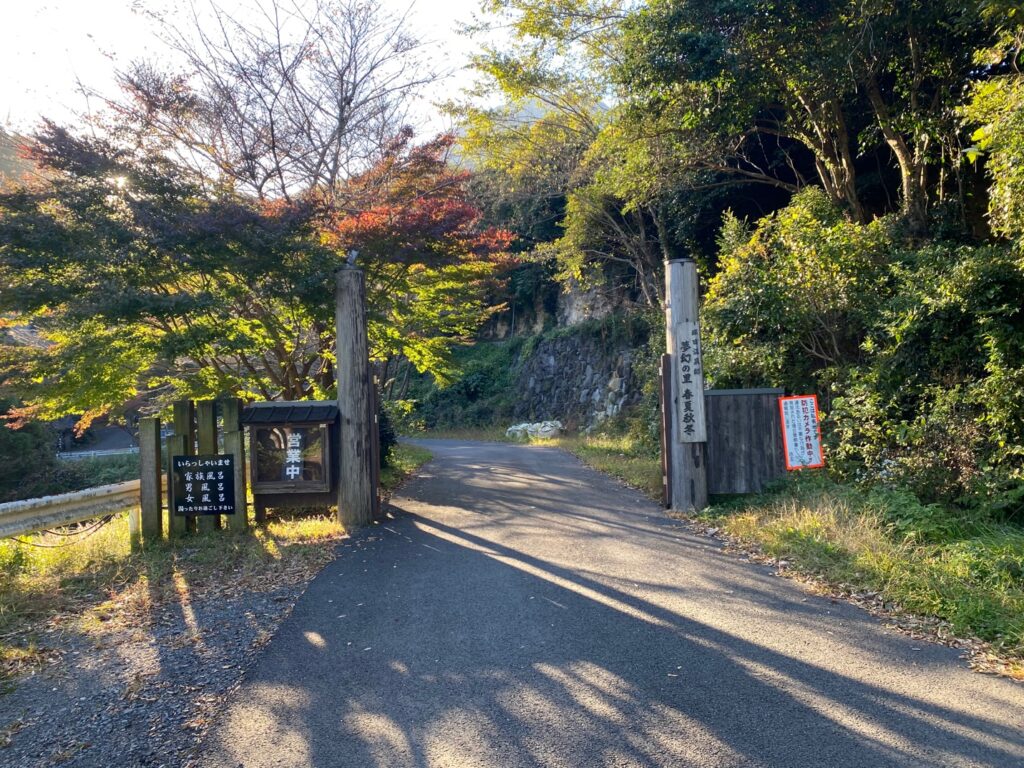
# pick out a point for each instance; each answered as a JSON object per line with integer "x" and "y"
{"x": 93, "y": 582}
{"x": 973, "y": 581}
{"x": 619, "y": 456}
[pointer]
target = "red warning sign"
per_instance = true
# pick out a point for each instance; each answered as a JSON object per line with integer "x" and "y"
{"x": 801, "y": 432}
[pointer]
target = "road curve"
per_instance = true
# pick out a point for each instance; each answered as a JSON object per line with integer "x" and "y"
{"x": 521, "y": 609}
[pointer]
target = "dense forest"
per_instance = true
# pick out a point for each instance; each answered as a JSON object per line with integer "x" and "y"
{"x": 848, "y": 175}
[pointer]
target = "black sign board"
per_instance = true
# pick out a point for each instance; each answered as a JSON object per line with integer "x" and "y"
{"x": 204, "y": 485}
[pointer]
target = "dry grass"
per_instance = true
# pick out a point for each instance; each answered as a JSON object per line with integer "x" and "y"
{"x": 971, "y": 577}
{"x": 478, "y": 434}
{"x": 908, "y": 557}
{"x": 619, "y": 457}
{"x": 90, "y": 581}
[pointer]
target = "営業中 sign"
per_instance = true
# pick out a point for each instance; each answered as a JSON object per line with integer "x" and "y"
{"x": 204, "y": 485}
{"x": 801, "y": 433}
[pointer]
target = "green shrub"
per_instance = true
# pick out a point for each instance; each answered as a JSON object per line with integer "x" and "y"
{"x": 915, "y": 349}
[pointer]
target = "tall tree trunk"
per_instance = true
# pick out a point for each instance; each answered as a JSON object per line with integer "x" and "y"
{"x": 913, "y": 171}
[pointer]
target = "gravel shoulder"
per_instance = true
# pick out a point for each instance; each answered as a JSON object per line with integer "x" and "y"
{"x": 138, "y": 696}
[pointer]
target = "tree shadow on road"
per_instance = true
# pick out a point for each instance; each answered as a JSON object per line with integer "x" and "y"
{"x": 446, "y": 648}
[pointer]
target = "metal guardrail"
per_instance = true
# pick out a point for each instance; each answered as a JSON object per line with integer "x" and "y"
{"x": 75, "y": 455}
{"x": 18, "y": 517}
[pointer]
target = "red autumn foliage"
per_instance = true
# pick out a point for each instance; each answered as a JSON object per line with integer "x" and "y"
{"x": 412, "y": 208}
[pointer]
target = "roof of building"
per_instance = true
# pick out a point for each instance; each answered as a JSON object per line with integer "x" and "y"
{"x": 294, "y": 412}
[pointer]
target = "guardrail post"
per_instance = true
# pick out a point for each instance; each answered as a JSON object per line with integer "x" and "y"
{"x": 234, "y": 443}
{"x": 151, "y": 481}
{"x": 206, "y": 434}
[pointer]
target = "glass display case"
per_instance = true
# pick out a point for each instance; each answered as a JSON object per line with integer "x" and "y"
{"x": 293, "y": 448}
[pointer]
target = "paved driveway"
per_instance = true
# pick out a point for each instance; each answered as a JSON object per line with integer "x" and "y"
{"x": 523, "y": 610}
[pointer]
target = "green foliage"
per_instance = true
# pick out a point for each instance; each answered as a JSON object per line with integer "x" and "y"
{"x": 917, "y": 350}
{"x": 939, "y": 405}
{"x": 998, "y": 106}
{"x": 482, "y": 395}
{"x": 388, "y": 437}
{"x": 793, "y": 299}
{"x": 102, "y": 470}
{"x": 405, "y": 460}
{"x": 142, "y": 281}
{"x": 30, "y": 467}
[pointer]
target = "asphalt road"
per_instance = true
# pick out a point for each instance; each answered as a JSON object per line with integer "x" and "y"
{"x": 523, "y": 610}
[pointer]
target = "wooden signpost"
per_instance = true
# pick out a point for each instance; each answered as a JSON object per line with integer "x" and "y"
{"x": 203, "y": 482}
{"x": 357, "y": 493}
{"x": 686, "y": 425}
{"x": 206, "y": 481}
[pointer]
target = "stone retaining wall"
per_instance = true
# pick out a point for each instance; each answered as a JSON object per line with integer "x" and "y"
{"x": 578, "y": 378}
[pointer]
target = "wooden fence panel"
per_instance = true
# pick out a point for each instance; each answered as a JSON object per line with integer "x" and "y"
{"x": 177, "y": 445}
{"x": 234, "y": 443}
{"x": 744, "y": 439}
{"x": 185, "y": 432}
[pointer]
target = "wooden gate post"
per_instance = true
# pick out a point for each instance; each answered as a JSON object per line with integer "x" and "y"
{"x": 151, "y": 477}
{"x": 355, "y": 481}
{"x": 687, "y": 425}
{"x": 234, "y": 443}
{"x": 182, "y": 444}
{"x": 206, "y": 441}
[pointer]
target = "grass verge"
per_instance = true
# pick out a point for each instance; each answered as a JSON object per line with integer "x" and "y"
{"x": 90, "y": 581}
{"x": 882, "y": 545}
{"x": 478, "y": 434}
{"x": 901, "y": 555}
{"x": 622, "y": 457}
{"x": 405, "y": 459}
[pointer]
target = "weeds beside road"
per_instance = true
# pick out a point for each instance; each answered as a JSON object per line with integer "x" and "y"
{"x": 882, "y": 547}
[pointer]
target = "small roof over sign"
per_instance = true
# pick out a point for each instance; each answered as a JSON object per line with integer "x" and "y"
{"x": 291, "y": 412}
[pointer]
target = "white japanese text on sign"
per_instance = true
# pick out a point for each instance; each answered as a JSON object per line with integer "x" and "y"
{"x": 204, "y": 485}
{"x": 801, "y": 433}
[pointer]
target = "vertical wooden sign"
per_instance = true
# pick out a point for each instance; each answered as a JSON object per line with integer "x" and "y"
{"x": 689, "y": 369}
{"x": 687, "y": 454}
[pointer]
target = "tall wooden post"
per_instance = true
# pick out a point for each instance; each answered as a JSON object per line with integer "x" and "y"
{"x": 206, "y": 440}
{"x": 356, "y": 491}
{"x": 687, "y": 425}
{"x": 234, "y": 443}
{"x": 151, "y": 485}
{"x": 182, "y": 444}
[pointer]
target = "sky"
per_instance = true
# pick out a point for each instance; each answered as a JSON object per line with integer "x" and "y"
{"x": 49, "y": 47}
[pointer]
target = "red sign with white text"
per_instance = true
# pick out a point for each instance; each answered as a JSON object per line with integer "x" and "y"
{"x": 801, "y": 432}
